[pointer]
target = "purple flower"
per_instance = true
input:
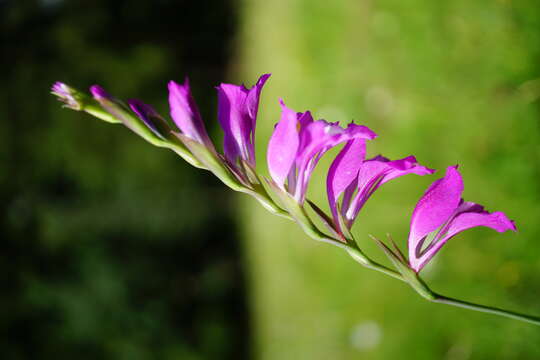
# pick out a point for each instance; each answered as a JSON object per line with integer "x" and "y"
{"x": 297, "y": 144}
{"x": 441, "y": 214}
{"x": 357, "y": 179}
{"x": 237, "y": 114}
{"x": 185, "y": 113}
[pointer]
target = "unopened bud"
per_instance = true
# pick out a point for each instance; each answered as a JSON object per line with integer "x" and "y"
{"x": 119, "y": 110}
{"x": 70, "y": 97}
{"x": 76, "y": 100}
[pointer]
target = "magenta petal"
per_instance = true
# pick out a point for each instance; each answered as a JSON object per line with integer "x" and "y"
{"x": 375, "y": 172}
{"x": 185, "y": 113}
{"x": 354, "y": 131}
{"x": 318, "y": 137}
{"x": 315, "y": 139}
{"x": 305, "y": 119}
{"x": 498, "y": 221}
{"x": 344, "y": 170}
{"x": 408, "y": 165}
{"x": 235, "y": 123}
{"x": 237, "y": 114}
{"x": 434, "y": 208}
{"x": 283, "y": 145}
{"x": 252, "y": 101}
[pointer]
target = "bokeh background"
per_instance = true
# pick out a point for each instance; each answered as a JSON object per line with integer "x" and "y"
{"x": 113, "y": 249}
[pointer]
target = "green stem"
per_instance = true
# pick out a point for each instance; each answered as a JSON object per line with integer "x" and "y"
{"x": 360, "y": 257}
{"x": 486, "y": 309}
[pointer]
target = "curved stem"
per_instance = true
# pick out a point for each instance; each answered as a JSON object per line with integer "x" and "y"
{"x": 360, "y": 257}
{"x": 486, "y": 309}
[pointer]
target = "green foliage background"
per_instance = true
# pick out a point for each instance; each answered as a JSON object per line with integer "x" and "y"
{"x": 450, "y": 82}
{"x": 110, "y": 248}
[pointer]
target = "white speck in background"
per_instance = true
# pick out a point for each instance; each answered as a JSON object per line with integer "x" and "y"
{"x": 366, "y": 335}
{"x": 459, "y": 352}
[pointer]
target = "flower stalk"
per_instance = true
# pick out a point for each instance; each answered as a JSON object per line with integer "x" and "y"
{"x": 295, "y": 147}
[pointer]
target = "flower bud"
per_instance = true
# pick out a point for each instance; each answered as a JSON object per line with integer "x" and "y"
{"x": 76, "y": 100}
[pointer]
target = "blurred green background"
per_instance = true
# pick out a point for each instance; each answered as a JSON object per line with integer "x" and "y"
{"x": 112, "y": 249}
{"x": 117, "y": 250}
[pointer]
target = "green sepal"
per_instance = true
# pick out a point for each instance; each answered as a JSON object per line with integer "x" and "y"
{"x": 409, "y": 275}
{"x": 120, "y": 111}
{"x": 238, "y": 172}
{"x": 326, "y": 220}
{"x": 211, "y": 160}
{"x": 178, "y": 147}
{"x": 259, "y": 192}
{"x": 395, "y": 259}
{"x": 94, "y": 108}
{"x": 286, "y": 200}
{"x": 343, "y": 227}
{"x": 298, "y": 213}
{"x": 250, "y": 172}
{"x": 397, "y": 250}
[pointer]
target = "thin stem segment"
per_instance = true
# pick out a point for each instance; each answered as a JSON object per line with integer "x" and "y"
{"x": 360, "y": 257}
{"x": 486, "y": 309}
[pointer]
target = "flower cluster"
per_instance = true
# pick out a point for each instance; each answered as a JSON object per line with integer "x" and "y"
{"x": 297, "y": 144}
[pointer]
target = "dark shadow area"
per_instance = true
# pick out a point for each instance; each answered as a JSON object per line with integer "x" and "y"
{"x": 112, "y": 249}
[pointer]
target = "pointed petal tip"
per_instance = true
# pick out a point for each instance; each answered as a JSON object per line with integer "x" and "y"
{"x": 262, "y": 80}
{"x": 423, "y": 169}
{"x": 360, "y": 131}
{"x": 99, "y": 92}
{"x": 176, "y": 87}
{"x": 452, "y": 172}
{"x": 503, "y": 223}
{"x": 411, "y": 163}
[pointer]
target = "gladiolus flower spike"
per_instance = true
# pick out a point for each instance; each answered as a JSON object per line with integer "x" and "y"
{"x": 296, "y": 145}
{"x": 299, "y": 142}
